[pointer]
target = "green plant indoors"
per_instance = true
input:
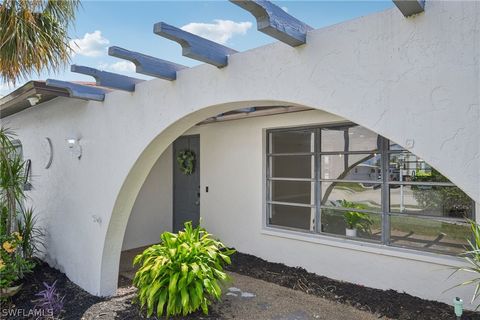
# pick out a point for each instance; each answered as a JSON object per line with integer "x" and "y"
{"x": 355, "y": 219}
{"x": 181, "y": 274}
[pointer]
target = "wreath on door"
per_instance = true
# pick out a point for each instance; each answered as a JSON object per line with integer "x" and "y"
{"x": 186, "y": 161}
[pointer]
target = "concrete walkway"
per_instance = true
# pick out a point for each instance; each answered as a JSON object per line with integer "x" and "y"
{"x": 249, "y": 298}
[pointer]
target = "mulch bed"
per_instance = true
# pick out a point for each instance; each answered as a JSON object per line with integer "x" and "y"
{"x": 388, "y": 303}
{"x": 76, "y": 299}
{"x": 79, "y": 304}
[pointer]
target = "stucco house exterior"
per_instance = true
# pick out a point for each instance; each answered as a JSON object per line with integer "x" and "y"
{"x": 382, "y": 111}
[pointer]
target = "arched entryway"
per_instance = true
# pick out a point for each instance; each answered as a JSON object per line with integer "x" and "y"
{"x": 138, "y": 174}
{"x": 236, "y": 213}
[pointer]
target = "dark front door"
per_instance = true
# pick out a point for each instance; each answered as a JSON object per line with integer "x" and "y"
{"x": 186, "y": 187}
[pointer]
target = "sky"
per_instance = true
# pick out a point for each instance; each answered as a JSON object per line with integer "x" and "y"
{"x": 129, "y": 24}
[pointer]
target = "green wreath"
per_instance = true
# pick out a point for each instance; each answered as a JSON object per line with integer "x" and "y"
{"x": 186, "y": 161}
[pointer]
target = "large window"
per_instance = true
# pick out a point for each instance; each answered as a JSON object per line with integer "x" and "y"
{"x": 347, "y": 181}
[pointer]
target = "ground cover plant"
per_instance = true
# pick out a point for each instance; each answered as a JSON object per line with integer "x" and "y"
{"x": 183, "y": 273}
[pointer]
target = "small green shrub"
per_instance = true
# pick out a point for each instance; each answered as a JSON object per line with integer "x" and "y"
{"x": 33, "y": 235}
{"x": 181, "y": 274}
{"x": 472, "y": 258}
{"x": 354, "y": 219}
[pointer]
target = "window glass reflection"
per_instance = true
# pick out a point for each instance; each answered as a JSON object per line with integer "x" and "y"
{"x": 430, "y": 200}
{"x": 348, "y": 138}
{"x": 351, "y": 166}
{"x": 292, "y": 167}
{"x": 365, "y": 196}
{"x": 291, "y": 216}
{"x": 294, "y": 141}
{"x": 428, "y": 234}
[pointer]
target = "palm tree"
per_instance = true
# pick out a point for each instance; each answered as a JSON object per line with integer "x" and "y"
{"x": 34, "y": 36}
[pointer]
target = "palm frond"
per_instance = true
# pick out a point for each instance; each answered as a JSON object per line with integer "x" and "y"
{"x": 34, "y": 36}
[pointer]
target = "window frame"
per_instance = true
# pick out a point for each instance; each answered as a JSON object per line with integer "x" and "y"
{"x": 385, "y": 213}
{"x": 268, "y": 178}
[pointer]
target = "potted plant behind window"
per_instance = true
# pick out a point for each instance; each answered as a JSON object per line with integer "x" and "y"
{"x": 355, "y": 220}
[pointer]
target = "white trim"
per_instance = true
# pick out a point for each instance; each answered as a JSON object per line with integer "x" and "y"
{"x": 401, "y": 253}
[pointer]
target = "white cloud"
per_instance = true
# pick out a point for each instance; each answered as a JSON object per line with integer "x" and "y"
{"x": 91, "y": 45}
{"x": 220, "y": 31}
{"x": 285, "y": 9}
{"x": 120, "y": 66}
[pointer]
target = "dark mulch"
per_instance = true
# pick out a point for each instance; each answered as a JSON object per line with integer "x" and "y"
{"x": 76, "y": 300}
{"x": 389, "y": 303}
{"x": 81, "y": 305}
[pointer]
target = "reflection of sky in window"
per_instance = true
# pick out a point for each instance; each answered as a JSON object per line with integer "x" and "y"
{"x": 373, "y": 162}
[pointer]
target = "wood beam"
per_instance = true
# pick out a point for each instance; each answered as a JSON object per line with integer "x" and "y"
{"x": 78, "y": 91}
{"x": 148, "y": 65}
{"x": 275, "y": 22}
{"x": 195, "y": 47}
{"x": 410, "y": 7}
{"x": 108, "y": 79}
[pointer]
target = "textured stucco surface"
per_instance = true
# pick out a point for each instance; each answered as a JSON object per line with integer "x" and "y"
{"x": 152, "y": 212}
{"x": 233, "y": 209}
{"x": 415, "y": 81}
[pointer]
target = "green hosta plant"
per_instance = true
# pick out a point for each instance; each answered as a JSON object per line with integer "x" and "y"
{"x": 182, "y": 274}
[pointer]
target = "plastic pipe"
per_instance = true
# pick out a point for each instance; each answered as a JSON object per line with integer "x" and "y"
{"x": 458, "y": 307}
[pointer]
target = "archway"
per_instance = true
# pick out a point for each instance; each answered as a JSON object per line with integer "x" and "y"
{"x": 136, "y": 177}
{"x": 161, "y": 142}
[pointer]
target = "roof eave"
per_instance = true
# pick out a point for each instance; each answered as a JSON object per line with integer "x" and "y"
{"x": 17, "y": 100}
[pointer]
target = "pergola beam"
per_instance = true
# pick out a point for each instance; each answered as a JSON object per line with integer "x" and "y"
{"x": 148, "y": 65}
{"x": 78, "y": 91}
{"x": 195, "y": 47}
{"x": 410, "y": 7}
{"x": 275, "y": 22}
{"x": 108, "y": 79}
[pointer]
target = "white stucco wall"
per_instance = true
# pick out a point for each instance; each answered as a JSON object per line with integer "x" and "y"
{"x": 415, "y": 81}
{"x": 152, "y": 212}
{"x": 234, "y": 211}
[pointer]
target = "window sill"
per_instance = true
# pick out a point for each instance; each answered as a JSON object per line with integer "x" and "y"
{"x": 402, "y": 253}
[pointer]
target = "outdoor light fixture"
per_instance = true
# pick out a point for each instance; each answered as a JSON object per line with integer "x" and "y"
{"x": 34, "y": 100}
{"x": 75, "y": 147}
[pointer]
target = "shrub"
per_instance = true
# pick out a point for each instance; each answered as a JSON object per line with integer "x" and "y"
{"x": 181, "y": 274}
{"x": 33, "y": 235}
{"x": 13, "y": 265}
{"x": 472, "y": 257}
{"x": 19, "y": 235}
{"x": 355, "y": 219}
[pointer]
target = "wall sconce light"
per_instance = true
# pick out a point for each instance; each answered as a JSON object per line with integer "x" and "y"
{"x": 34, "y": 100}
{"x": 75, "y": 147}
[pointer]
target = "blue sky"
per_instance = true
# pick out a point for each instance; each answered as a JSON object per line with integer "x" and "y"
{"x": 129, "y": 24}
